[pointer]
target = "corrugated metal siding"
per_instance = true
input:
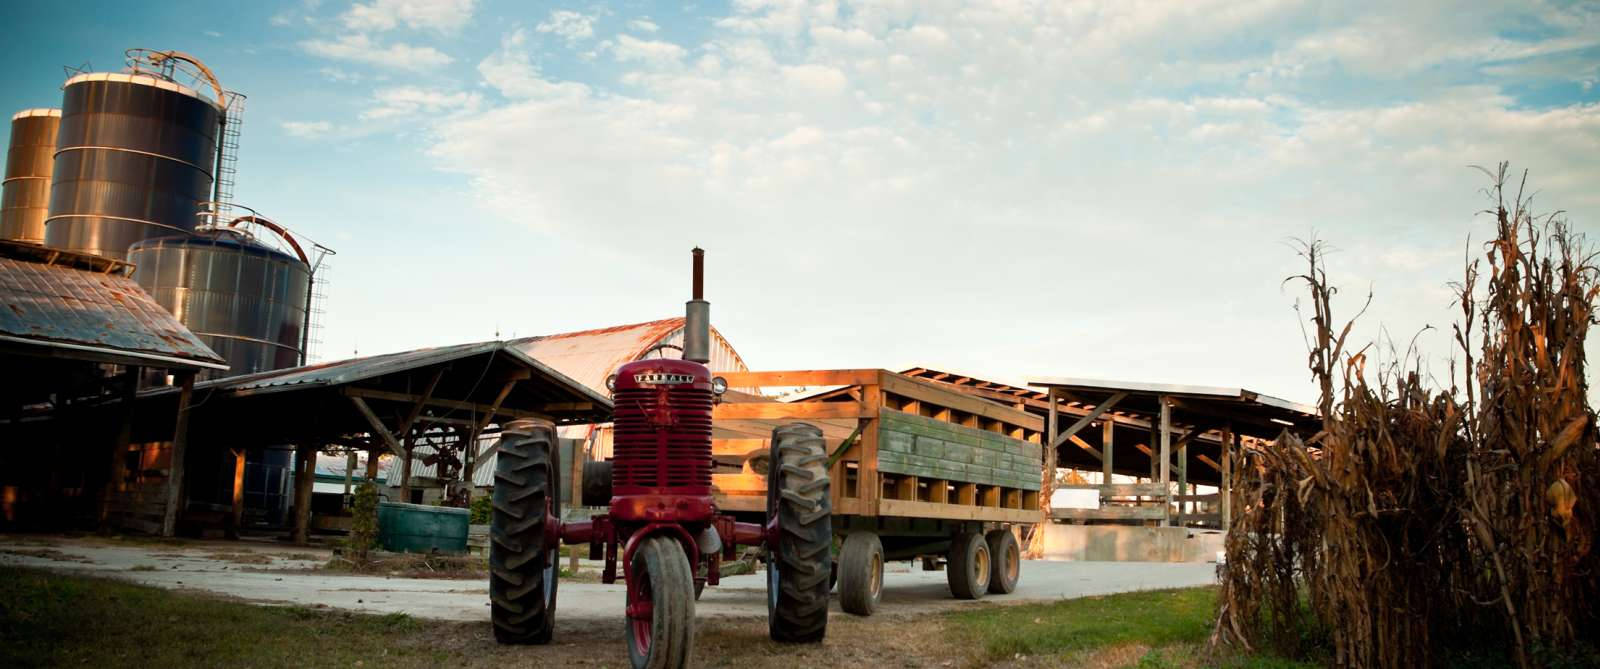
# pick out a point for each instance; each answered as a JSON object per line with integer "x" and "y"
{"x": 590, "y": 356}
{"x": 61, "y": 304}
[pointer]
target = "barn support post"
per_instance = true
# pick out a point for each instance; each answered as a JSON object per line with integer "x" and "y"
{"x": 180, "y": 447}
{"x": 119, "y": 448}
{"x": 1166, "y": 458}
{"x": 305, "y": 474}
{"x": 236, "y": 514}
{"x": 407, "y": 449}
{"x": 1108, "y": 433}
{"x": 1230, "y": 441}
{"x": 349, "y": 471}
{"x": 1047, "y": 478}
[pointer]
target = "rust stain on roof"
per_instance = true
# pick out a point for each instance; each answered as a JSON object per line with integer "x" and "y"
{"x": 67, "y": 305}
{"x": 589, "y": 356}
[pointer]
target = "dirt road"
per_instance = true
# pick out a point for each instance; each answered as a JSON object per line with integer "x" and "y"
{"x": 272, "y": 573}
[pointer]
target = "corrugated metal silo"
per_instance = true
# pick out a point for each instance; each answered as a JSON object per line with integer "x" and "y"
{"x": 245, "y": 300}
{"x": 25, "y": 195}
{"x": 135, "y": 158}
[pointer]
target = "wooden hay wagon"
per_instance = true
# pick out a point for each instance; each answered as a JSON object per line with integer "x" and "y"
{"x": 917, "y": 471}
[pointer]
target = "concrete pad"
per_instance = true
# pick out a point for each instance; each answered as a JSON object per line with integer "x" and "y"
{"x": 1131, "y": 543}
{"x": 907, "y": 589}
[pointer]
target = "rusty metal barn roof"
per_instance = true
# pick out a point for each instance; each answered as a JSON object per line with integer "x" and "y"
{"x": 342, "y": 372}
{"x": 60, "y": 304}
{"x": 590, "y": 356}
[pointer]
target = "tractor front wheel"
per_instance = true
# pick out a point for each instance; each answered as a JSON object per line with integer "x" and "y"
{"x": 660, "y": 605}
{"x": 799, "y": 559}
{"x": 523, "y": 566}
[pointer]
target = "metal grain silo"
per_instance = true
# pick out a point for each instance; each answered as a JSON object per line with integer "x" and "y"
{"x": 25, "y": 193}
{"x": 245, "y": 300}
{"x": 135, "y": 156}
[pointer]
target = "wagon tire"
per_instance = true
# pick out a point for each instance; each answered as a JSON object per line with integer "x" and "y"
{"x": 861, "y": 573}
{"x": 968, "y": 568}
{"x": 1005, "y": 561}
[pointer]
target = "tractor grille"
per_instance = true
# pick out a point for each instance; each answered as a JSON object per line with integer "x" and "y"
{"x": 657, "y": 451}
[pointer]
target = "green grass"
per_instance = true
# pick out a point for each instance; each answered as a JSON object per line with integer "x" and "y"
{"x": 1172, "y": 624}
{"x": 56, "y": 620}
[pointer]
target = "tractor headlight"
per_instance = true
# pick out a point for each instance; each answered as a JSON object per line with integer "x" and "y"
{"x": 719, "y": 385}
{"x": 611, "y": 383}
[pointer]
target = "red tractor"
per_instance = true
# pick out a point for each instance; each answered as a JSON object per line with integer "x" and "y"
{"x": 661, "y": 515}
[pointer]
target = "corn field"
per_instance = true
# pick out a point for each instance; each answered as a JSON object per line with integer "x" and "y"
{"x": 1423, "y": 519}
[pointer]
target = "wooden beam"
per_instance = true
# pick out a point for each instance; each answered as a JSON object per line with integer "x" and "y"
{"x": 421, "y": 402}
{"x": 947, "y": 396}
{"x": 119, "y": 446}
{"x": 1224, "y": 414}
{"x": 305, "y": 474}
{"x": 180, "y": 449}
{"x": 917, "y": 509}
{"x": 1166, "y": 447}
{"x": 790, "y": 410}
{"x": 867, "y": 471}
{"x": 1085, "y": 446}
{"x": 808, "y": 377}
{"x": 1207, "y": 461}
{"x": 1230, "y": 441}
{"x": 236, "y": 517}
{"x": 369, "y": 393}
{"x": 377, "y": 426}
{"x": 1144, "y": 512}
{"x": 1119, "y": 489}
{"x": 1088, "y": 418}
{"x": 1108, "y": 431}
{"x": 738, "y": 447}
{"x": 478, "y": 426}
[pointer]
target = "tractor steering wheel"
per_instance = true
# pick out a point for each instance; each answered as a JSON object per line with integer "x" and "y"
{"x": 658, "y": 347}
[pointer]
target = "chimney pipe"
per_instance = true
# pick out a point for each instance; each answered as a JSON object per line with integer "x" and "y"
{"x": 697, "y": 316}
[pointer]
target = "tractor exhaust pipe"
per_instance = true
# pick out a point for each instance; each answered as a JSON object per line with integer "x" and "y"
{"x": 697, "y": 316}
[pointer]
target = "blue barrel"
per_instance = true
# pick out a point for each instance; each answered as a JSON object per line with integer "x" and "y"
{"x": 418, "y": 528}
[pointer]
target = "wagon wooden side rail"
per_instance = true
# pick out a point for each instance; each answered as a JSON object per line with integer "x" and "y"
{"x": 900, "y": 446}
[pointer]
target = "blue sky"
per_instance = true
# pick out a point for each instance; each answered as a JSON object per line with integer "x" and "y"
{"x": 1007, "y": 188}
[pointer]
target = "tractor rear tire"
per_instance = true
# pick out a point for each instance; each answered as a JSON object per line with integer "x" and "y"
{"x": 666, "y": 641}
{"x": 1005, "y": 560}
{"x": 861, "y": 573}
{"x": 800, "y": 560}
{"x": 523, "y": 567}
{"x": 968, "y": 568}
{"x": 597, "y": 483}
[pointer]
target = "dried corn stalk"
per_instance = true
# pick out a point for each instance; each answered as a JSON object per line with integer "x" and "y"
{"x": 1418, "y": 518}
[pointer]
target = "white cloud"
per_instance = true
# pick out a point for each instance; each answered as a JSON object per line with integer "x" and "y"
{"x": 1059, "y": 147}
{"x": 307, "y": 129}
{"x": 381, "y": 15}
{"x": 510, "y": 71}
{"x": 630, "y": 48}
{"x": 362, "y": 49}
{"x": 644, "y": 25}
{"x": 572, "y": 26}
{"x": 406, "y": 101}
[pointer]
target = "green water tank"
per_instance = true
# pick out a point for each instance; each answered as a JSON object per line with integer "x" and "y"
{"x": 419, "y": 528}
